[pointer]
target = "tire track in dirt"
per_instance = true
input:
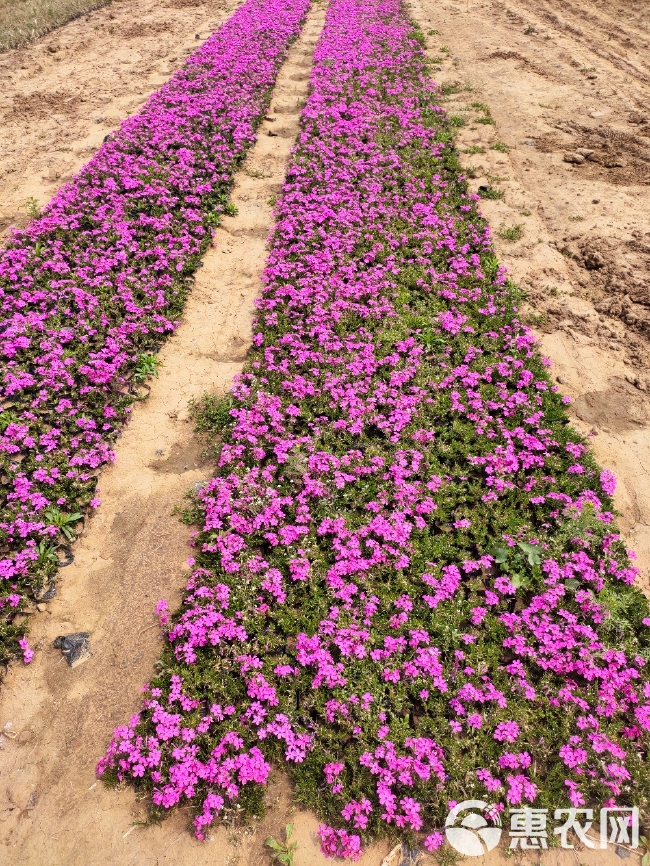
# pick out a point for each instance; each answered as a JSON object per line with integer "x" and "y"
{"x": 597, "y": 31}
{"x": 133, "y": 553}
{"x": 61, "y": 95}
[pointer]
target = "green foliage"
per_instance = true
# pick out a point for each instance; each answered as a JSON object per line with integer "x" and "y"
{"x": 282, "y": 852}
{"x": 490, "y": 192}
{"x": 501, "y": 147}
{"x": 33, "y": 208}
{"x": 511, "y": 233}
{"x": 211, "y": 414}
{"x": 146, "y": 365}
{"x": 63, "y": 522}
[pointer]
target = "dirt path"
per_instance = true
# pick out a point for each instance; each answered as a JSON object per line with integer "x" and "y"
{"x": 133, "y": 553}
{"x": 61, "y": 95}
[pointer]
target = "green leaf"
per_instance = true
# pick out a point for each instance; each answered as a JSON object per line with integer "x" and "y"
{"x": 271, "y": 843}
{"x": 500, "y": 554}
{"x": 531, "y": 552}
{"x": 572, "y": 584}
{"x": 288, "y": 830}
{"x": 645, "y": 859}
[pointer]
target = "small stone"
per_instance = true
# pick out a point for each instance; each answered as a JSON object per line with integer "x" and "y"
{"x": 41, "y": 608}
{"x": 615, "y": 162}
{"x": 595, "y": 201}
{"x": 574, "y": 158}
{"x": 584, "y": 151}
{"x": 100, "y": 120}
{"x": 75, "y": 647}
{"x": 635, "y": 117}
{"x": 621, "y": 852}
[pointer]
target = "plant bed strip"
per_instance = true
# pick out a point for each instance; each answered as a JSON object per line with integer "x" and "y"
{"x": 408, "y": 587}
{"x": 92, "y": 288}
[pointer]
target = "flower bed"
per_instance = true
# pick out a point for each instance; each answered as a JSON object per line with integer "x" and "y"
{"x": 93, "y": 287}
{"x": 408, "y": 586}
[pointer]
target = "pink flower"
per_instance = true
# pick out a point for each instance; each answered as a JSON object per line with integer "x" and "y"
{"x": 506, "y": 732}
{"x": 608, "y": 482}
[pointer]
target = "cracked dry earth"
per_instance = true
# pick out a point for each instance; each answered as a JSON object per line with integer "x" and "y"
{"x": 549, "y": 78}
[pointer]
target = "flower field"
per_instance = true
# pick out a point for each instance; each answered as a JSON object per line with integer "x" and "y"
{"x": 408, "y": 587}
{"x": 91, "y": 289}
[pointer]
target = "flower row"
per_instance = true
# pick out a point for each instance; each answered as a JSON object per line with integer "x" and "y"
{"x": 92, "y": 288}
{"x": 408, "y": 587}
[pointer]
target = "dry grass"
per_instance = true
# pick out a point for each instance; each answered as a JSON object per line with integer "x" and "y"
{"x": 22, "y": 21}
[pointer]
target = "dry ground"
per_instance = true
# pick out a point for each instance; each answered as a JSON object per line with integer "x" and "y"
{"x": 22, "y": 21}
{"x": 583, "y": 257}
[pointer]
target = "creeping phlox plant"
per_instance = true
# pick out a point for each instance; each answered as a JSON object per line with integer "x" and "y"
{"x": 92, "y": 287}
{"x": 408, "y": 586}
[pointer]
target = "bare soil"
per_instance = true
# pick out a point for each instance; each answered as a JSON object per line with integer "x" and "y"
{"x": 22, "y": 21}
{"x": 583, "y": 260}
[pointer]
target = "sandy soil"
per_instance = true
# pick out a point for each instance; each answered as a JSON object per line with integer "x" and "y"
{"x": 583, "y": 260}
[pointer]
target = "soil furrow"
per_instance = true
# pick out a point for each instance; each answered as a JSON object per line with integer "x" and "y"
{"x": 581, "y": 25}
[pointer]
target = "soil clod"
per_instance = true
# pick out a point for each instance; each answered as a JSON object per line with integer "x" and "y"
{"x": 75, "y": 647}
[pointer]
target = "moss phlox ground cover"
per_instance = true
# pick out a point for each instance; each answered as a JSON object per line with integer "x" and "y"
{"x": 408, "y": 587}
{"x": 90, "y": 289}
